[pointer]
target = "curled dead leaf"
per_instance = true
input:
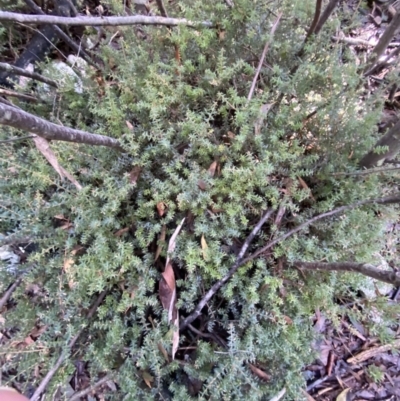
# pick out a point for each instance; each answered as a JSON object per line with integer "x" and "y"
{"x": 121, "y": 231}
{"x": 343, "y": 395}
{"x": 204, "y": 247}
{"x": 202, "y": 185}
{"x": 258, "y": 372}
{"x": 161, "y": 208}
{"x": 134, "y": 174}
{"x": 306, "y": 187}
{"x": 161, "y": 241}
{"x": 212, "y": 168}
{"x": 129, "y": 125}
{"x": 43, "y": 146}
{"x": 147, "y": 377}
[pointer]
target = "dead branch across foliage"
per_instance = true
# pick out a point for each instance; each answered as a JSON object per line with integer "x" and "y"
{"x": 100, "y": 21}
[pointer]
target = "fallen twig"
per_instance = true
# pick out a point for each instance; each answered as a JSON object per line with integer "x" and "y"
{"x": 100, "y": 21}
{"x": 369, "y": 353}
{"x": 65, "y": 352}
{"x": 387, "y": 276}
{"x": 25, "y": 73}
{"x": 78, "y": 395}
{"x": 264, "y": 53}
{"x": 230, "y": 273}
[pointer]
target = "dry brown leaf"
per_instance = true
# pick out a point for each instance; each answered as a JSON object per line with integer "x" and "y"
{"x": 38, "y": 331}
{"x": 258, "y": 372}
{"x": 202, "y": 185}
{"x": 343, "y": 395}
{"x": 163, "y": 351}
{"x": 161, "y": 208}
{"x": 121, "y": 231}
{"x": 29, "y": 341}
{"x": 43, "y": 147}
{"x": 167, "y": 291}
{"x": 204, "y": 247}
{"x": 147, "y": 377}
{"x": 305, "y": 186}
{"x": 212, "y": 168}
{"x": 129, "y": 125}
{"x": 134, "y": 174}
{"x": 161, "y": 241}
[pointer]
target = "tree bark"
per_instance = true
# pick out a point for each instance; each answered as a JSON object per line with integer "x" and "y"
{"x": 99, "y": 21}
{"x": 387, "y": 276}
{"x": 392, "y": 140}
{"x": 28, "y": 122}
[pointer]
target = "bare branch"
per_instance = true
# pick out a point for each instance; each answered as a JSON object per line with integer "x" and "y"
{"x": 28, "y": 122}
{"x": 317, "y": 14}
{"x": 384, "y": 41}
{"x": 387, "y": 276}
{"x": 264, "y": 53}
{"x": 4, "y": 299}
{"x": 64, "y": 354}
{"x": 391, "y": 140}
{"x": 162, "y": 8}
{"x": 7, "y": 92}
{"x": 325, "y": 15}
{"x": 230, "y": 273}
{"x": 63, "y": 36}
{"x": 382, "y": 201}
{"x": 77, "y": 396}
{"x": 366, "y": 172}
{"x": 25, "y": 73}
{"x": 100, "y": 21}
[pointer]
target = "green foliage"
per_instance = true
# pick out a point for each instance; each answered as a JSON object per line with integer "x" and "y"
{"x": 185, "y": 116}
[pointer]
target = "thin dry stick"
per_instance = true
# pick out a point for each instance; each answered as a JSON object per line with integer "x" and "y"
{"x": 63, "y": 36}
{"x": 366, "y": 172}
{"x": 8, "y": 293}
{"x": 369, "y": 353}
{"x": 22, "y": 138}
{"x": 7, "y": 92}
{"x": 100, "y": 21}
{"x": 264, "y": 53}
{"x": 314, "y": 23}
{"x": 390, "y": 199}
{"x": 387, "y": 276}
{"x": 230, "y": 273}
{"x": 240, "y": 261}
{"x": 65, "y": 353}
{"x": 25, "y": 73}
{"x": 77, "y": 396}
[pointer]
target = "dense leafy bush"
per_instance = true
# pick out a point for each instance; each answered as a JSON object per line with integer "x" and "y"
{"x": 194, "y": 146}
